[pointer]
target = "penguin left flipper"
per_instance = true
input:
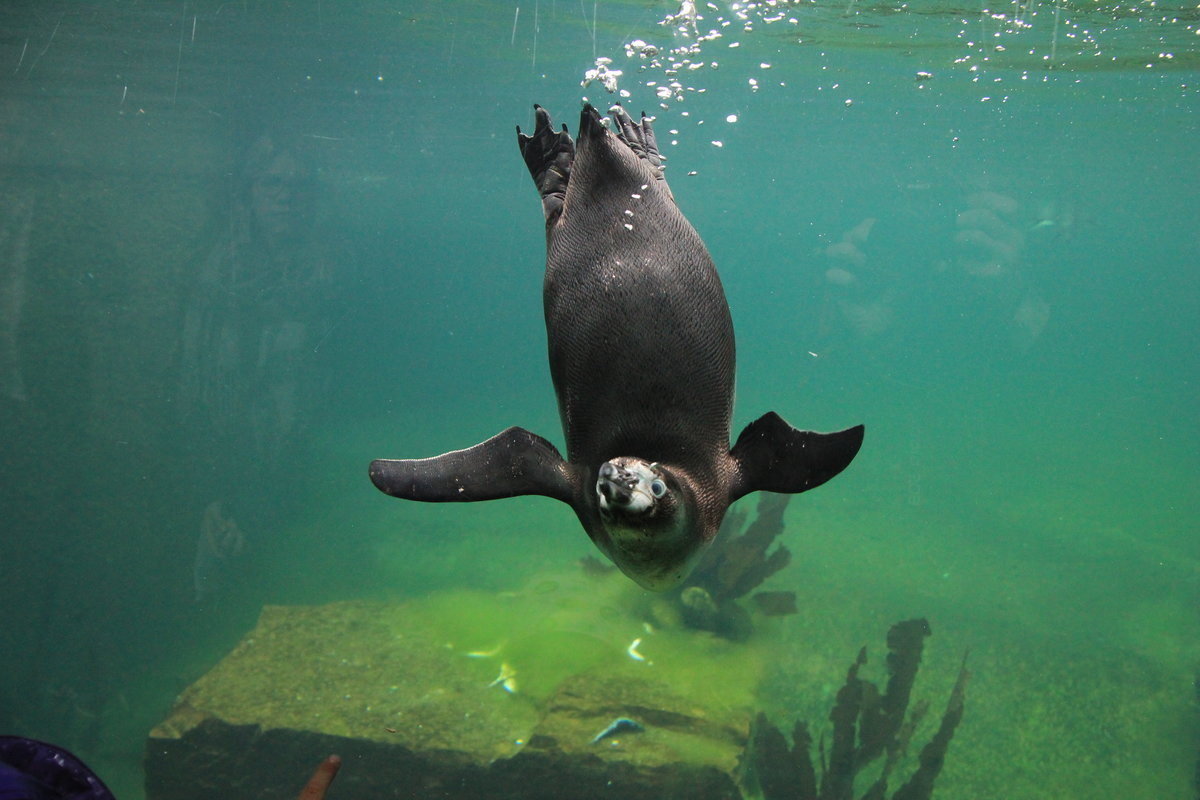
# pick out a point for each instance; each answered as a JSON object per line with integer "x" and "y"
{"x": 511, "y": 463}
{"x": 770, "y": 455}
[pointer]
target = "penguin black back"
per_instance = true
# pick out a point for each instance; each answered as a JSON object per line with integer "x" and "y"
{"x": 638, "y": 330}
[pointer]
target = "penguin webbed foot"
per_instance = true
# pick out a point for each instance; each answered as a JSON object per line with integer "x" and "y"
{"x": 773, "y": 456}
{"x": 511, "y": 463}
{"x": 548, "y": 155}
{"x": 639, "y": 138}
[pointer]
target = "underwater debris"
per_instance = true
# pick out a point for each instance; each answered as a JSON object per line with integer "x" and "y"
{"x": 733, "y": 567}
{"x": 866, "y": 725}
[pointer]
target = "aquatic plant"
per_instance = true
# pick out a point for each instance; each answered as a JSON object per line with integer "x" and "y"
{"x": 735, "y": 565}
{"x": 866, "y": 726}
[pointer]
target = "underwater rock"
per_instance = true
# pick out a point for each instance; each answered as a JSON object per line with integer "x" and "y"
{"x": 865, "y": 726}
{"x": 414, "y": 715}
{"x": 734, "y": 566}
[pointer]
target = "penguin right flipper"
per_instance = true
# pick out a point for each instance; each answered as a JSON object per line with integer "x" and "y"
{"x": 549, "y": 155}
{"x": 772, "y": 456}
{"x": 511, "y": 463}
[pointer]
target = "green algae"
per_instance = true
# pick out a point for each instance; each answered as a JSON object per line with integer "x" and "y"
{"x": 565, "y": 625}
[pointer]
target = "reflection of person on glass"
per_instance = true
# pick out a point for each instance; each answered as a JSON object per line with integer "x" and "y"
{"x": 33, "y": 770}
{"x": 257, "y": 310}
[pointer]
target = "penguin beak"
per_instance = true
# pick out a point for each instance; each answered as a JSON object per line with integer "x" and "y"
{"x": 621, "y": 489}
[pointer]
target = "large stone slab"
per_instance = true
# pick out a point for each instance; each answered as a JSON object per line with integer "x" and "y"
{"x": 465, "y": 695}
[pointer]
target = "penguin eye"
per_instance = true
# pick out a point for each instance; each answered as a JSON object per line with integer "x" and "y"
{"x": 657, "y": 488}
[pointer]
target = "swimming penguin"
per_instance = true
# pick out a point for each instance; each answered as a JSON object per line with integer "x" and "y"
{"x": 642, "y": 358}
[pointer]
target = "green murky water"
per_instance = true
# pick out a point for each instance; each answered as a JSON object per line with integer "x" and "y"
{"x": 250, "y": 246}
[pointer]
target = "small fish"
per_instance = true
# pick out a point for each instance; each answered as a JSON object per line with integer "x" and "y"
{"x": 618, "y": 725}
{"x": 507, "y": 679}
{"x": 495, "y": 651}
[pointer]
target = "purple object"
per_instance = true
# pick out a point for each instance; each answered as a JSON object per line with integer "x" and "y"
{"x": 33, "y": 770}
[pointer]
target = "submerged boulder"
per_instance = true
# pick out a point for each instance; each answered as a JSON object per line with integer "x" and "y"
{"x": 461, "y": 695}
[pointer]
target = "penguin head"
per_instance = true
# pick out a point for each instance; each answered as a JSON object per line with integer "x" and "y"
{"x": 632, "y": 488}
{"x": 648, "y": 521}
